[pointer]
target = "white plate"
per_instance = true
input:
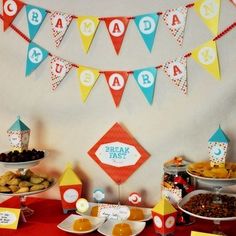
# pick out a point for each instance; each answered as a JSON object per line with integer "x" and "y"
{"x": 146, "y": 211}
{"x": 22, "y": 164}
{"x": 210, "y": 179}
{"x": 30, "y": 193}
{"x": 67, "y": 224}
{"x": 196, "y": 192}
{"x": 107, "y": 227}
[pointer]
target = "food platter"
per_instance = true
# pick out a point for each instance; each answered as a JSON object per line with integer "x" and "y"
{"x": 67, "y": 224}
{"x": 197, "y": 192}
{"x": 203, "y": 171}
{"x": 22, "y": 164}
{"x": 107, "y": 227}
{"x": 52, "y": 183}
{"x": 146, "y": 211}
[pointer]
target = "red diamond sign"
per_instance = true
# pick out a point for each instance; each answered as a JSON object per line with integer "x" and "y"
{"x": 118, "y": 154}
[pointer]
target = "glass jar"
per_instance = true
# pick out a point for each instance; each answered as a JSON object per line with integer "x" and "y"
{"x": 176, "y": 184}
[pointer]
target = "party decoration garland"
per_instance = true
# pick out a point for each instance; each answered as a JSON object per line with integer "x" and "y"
{"x": 175, "y": 19}
{"x": 206, "y": 54}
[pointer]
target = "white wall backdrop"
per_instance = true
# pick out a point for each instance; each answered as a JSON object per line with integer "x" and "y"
{"x": 174, "y": 125}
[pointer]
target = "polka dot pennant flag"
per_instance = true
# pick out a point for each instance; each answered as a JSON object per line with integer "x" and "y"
{"x": 59, "y": 69}
{"x": 176, "y": 71}
{"x": 59, "y": 24}
{"x": 175, "y": 20}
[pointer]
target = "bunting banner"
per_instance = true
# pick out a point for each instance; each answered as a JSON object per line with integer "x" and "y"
{"x": 116, "y": 81}
{"x": 59, "y": 24}
{"x": 87, "y": 79}
{"x": 147, "y": 26}
{"x": 209, "y": 11}
{"x": 35, "y": 56}
{"x": 59, "y": 69}
{"x": 117, "y": 27}
{"x": 87, "y": 27}
{"x": 175, "y": 20}
{"x": 176, "y": 71}
{"x": 146, "y": 80}
{"x": 35, "y": 18}
{"x": 10, "y": 10}
{"x": 206, "y": 55}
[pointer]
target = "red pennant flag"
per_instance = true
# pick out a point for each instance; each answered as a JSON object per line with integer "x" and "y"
{"x": 117, "y": 27}
{"x": 116, "y": 81}
{"x": 10, "y": 10}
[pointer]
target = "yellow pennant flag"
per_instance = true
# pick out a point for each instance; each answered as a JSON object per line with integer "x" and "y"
{"x": 209, "y": 11}
{"x": 206, "y": 55}
{"x": 87, "y": 27}
{"x": 87, "y": 79}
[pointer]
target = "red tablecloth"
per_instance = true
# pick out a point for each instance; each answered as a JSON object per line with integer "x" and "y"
{"x": 48, "y": 214}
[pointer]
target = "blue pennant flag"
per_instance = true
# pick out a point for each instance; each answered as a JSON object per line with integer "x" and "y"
{"x": 35, "y": 56}
{"x": 146, "y": 80}
{"x": 147, "y": 26}
{"x": 35, "y": 17}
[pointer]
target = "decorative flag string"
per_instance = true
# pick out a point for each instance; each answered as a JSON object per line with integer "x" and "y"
{"x": 220, "y": 35}
{"x": 147, "y": 24}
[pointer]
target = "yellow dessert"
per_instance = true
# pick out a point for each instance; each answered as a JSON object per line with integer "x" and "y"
{"x": 136, "y": 214}
{"x": 82, "y": 224}
{"x": 94, "y": 211}
{"x": 122, "y": 229}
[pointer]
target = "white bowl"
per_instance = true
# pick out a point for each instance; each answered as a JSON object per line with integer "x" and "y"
{"x": 67, "y": 224}
{"x": 136, "y": 227}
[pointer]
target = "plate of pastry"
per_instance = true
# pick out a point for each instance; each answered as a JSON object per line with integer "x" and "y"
{"x": 203, "y": 170}
{"x": 116, "y": 228}
{"x": 28, "y": 183}
{"x": 136, "y": 213}
{"x": 80, "y": 224}
{"x": 21, "y": 160}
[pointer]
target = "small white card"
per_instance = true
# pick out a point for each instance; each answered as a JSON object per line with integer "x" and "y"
{"x": 114, "y": 212}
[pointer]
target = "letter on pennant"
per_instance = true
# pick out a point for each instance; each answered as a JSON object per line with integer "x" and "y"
{"x": 116, "y": 82}
{"x": 117, "y": 27}
{"x": 206, "y": 55}
{"x": 87, "y": 79}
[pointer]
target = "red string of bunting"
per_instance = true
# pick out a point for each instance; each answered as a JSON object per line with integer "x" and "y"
{"x": 220, "y": 35}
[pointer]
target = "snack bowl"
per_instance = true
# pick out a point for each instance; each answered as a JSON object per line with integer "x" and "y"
{"x": 107, "y": 228}
{"x": 147, "y": 212}
{"x": 197, "y": 192}
{"x": 67, "y": 224}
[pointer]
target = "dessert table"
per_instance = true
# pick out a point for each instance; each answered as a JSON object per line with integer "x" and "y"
{"x": 48, "y": 214}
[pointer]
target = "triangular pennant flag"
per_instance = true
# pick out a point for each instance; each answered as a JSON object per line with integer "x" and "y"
{"x": 116, "y": 81}
{"x": 10, "y": 10}
{"x": 147, "y": 26}
{"x": 59, "y": 69}
{"x": 209, "y": 11}
{"x": 35, "y": 18}
{"x": 175, "y": 20}
{"x": 87, "y": 27}
{"x": 35, "y": 56}
{"x": 146, "y": 80}
{"x": 176, "y": 71}
{"x": 59, "y": 23}
{"x": 87, "y": 79}
{"x": 206, "y": 55}
{"x": 117, "y": 27}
